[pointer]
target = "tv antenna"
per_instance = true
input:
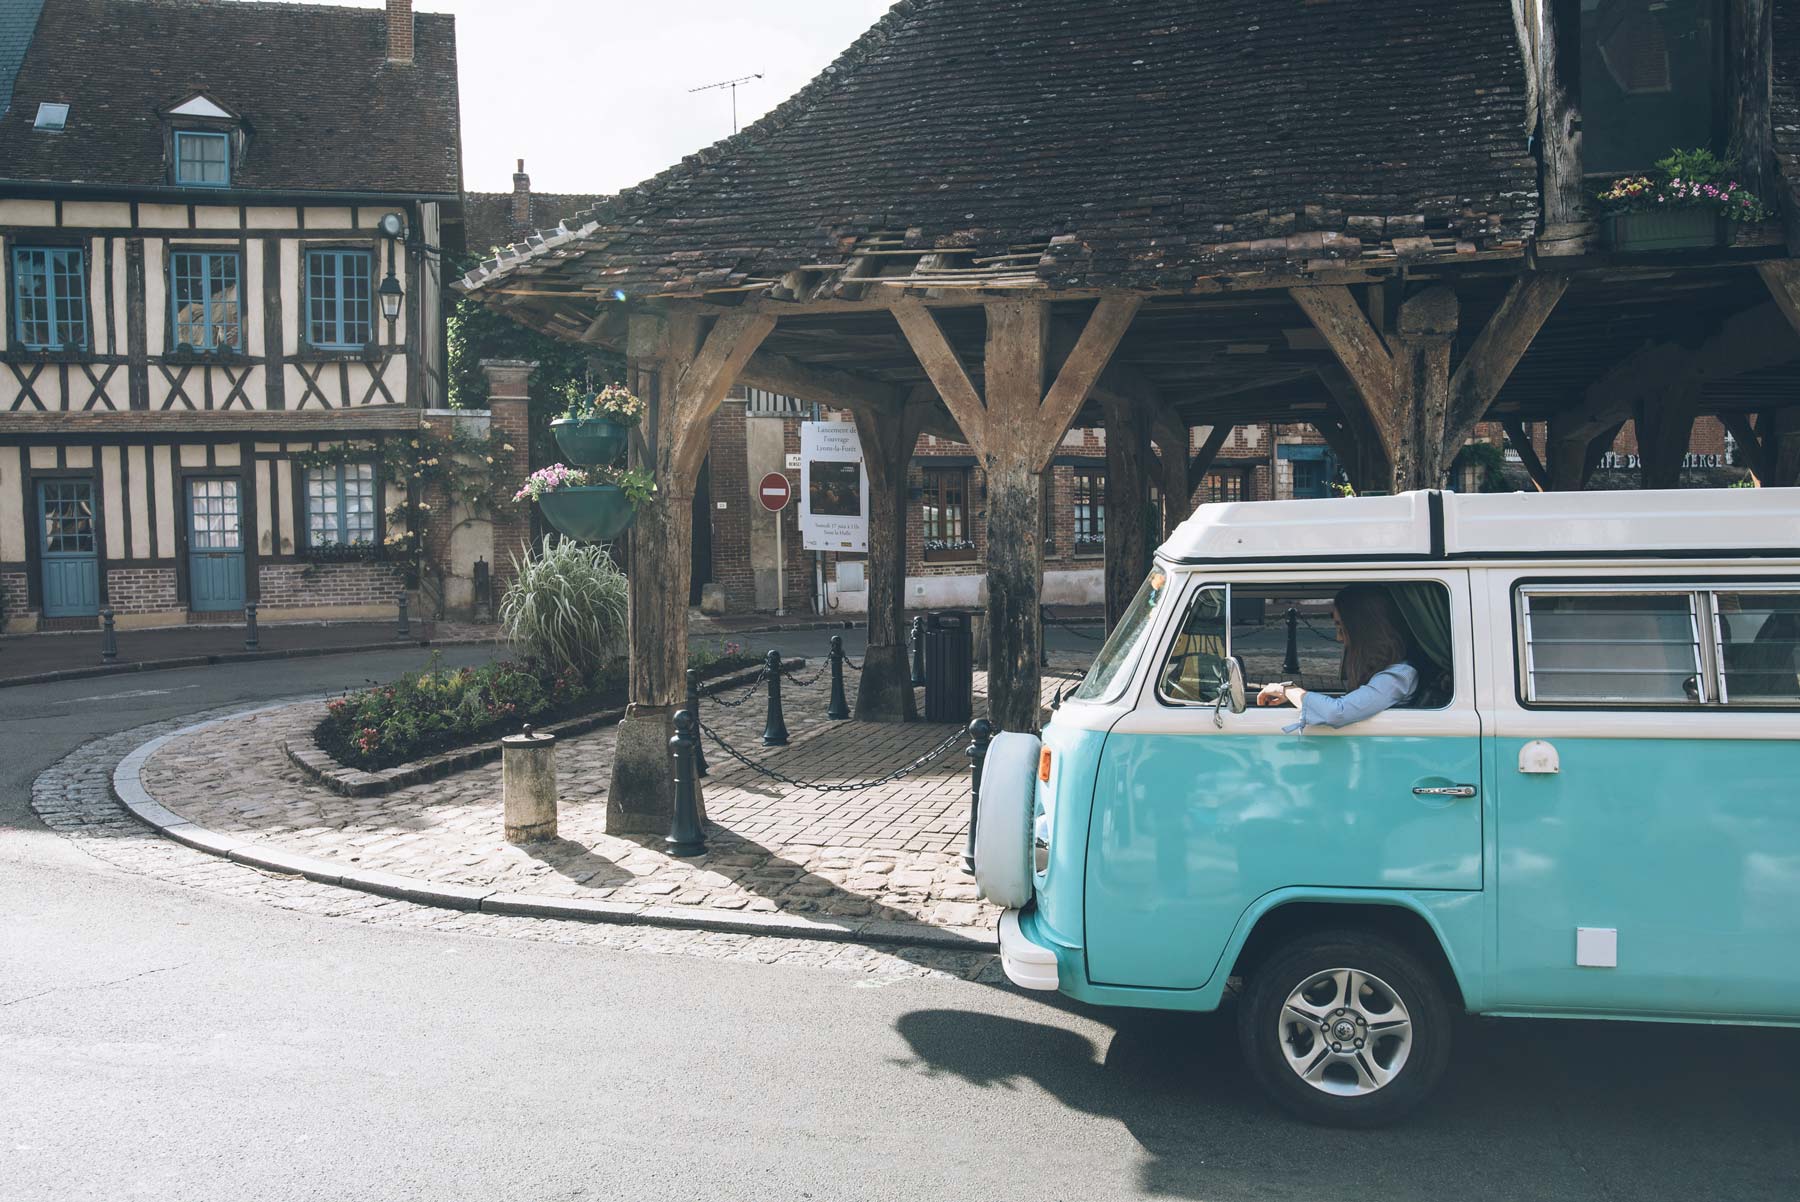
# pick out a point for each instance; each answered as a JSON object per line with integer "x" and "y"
{"x": 733, "y": 85}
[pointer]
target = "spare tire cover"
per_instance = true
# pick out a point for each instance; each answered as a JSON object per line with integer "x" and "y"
{"x": 1003, "y": 868}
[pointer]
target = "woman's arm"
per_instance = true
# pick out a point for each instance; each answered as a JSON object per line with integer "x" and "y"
{"x": 1386, "y": 689}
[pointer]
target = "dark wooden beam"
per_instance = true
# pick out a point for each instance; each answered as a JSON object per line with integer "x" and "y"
{"x": 1497, "y": 350}
{"x": 1559, "y": 126}
{"x": 1749, "y": 75}
{"x": 1202, "y": 460}
{"x": 1534, "y": 467}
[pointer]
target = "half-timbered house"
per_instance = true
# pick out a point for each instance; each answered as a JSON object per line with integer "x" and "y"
{"x": 220, "y": 226}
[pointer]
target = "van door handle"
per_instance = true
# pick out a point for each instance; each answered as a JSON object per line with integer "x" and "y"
{"x": 1443, "y": 790}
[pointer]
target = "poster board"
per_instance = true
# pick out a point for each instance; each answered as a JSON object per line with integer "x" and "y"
{"x": 834, "y": 488}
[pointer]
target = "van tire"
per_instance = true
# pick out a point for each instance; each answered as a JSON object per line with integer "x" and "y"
{"x": 1262, "y": 1012}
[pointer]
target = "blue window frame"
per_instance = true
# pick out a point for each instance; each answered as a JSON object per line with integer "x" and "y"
{"x": 340, "y": 505}
{"x": 202, "y": 159}
{"x": 203, "y": 299}
{"x": 338, "y": 299}
{"x": 50, "y": 297}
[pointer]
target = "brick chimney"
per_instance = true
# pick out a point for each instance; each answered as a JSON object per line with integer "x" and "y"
{"x": 400, "y": 31}
{"x": 521, "y": 199}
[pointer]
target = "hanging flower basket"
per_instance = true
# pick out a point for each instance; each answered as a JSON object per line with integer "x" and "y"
{"x": 595, "y": 513}
{"x": 1670, "y": 229}
{"x": 591, "y": 441}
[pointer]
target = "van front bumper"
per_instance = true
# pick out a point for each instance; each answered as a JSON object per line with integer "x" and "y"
{"x": 1028, "y": 965}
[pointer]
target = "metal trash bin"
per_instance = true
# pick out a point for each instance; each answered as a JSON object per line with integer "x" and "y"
{"x": 949, "y": 668}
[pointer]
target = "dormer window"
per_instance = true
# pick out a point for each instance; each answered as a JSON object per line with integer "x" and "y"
{"x": 202, "y": 159}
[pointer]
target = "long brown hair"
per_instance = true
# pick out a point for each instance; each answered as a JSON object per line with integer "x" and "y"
{"x": 1374, "y": 632}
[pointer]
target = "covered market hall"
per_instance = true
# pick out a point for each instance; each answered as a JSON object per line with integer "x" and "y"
{"x": 992, "y": 220}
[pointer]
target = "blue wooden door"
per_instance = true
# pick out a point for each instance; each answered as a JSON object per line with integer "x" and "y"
{"x": 69, "y": 556}
{"x": 215, "y": 546}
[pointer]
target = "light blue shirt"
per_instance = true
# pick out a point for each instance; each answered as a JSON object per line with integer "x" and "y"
{"x": 1386, "y": 689}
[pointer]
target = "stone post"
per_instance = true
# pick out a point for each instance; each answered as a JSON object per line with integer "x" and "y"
{"x": 509, "y": 403}
{"x": 528, "y": 777}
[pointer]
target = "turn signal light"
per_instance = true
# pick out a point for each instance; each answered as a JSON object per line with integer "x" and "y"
{"x": 1044, "y": 765}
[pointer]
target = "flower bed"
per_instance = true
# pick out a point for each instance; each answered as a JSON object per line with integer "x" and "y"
{"x": 440, "y": 709}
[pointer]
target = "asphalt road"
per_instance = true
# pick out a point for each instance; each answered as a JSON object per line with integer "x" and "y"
{"x": 161, "y": 1043}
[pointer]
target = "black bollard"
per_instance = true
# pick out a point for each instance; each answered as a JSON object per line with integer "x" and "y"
{"x": 685, "y": 836}
{"x": 405, "y": 631}
{"x": 839, "y": 709}
{"x": 252, "y": 641}
{"x": 981, "y": 732}
{"x": 775, "y": 729}
{"x": 1291, "y": 663}
{"x": 918, "y": 650}
{"x": 109, "y": 638}
{"x": 693, "y": 705}
{"x": 1043, "y": 639}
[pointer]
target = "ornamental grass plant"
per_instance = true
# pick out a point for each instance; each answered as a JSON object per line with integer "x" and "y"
{"x": 566, "y": 606}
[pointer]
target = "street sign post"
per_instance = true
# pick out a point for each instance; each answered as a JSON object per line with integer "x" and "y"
{"x": 774, "y": 492}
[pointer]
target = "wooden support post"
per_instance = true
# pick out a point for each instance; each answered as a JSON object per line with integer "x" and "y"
{"x": 682, "y": 372}
{"x": 1665, "y": 424}
{"x": 1337, "y": 436}
{"x": 1014, "y": 424}
{"x": 1128, "y": 539}
{"x": 1771, "y": 448}
{"x": 1749, "y": 71}
{"x": 1171, "y": 434}
{"x": 1784, "y": 470}
{"x": 1202, "y": 460}
{"x": 1399, "y": 389}
{"x": 884, "y": 689}
{"x": 1783, "y": 278}
{"x": 1566, "y": 221}
{"x": 1373, "y": 469}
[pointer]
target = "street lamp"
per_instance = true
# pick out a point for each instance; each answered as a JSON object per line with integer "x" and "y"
{"x": 391, "y": 227}
{"x": 390, "y": 294}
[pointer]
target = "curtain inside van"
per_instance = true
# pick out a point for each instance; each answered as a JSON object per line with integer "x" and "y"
{"x": 1426, "y": 608}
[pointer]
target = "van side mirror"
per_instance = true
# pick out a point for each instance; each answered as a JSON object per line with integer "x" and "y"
{"x": 1234, "y": 685}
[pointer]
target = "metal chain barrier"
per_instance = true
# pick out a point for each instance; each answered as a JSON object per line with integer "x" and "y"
{"x": 749, "y": 692}
{"x": 1329, "y": 638}
{"x": 1069, "y": 625}
{"x": 803, "y": 684}
{"x": 950, "y": 740}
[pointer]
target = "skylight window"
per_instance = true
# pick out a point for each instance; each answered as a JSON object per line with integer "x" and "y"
{"x": 51, "y": 117}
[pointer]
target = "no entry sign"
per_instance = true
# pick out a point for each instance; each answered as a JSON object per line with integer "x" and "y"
{"x": 774, "y": 492}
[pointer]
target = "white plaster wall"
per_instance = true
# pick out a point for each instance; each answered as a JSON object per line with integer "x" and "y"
{"x": 162, "y": 217}
{"x": 27, "y": 212}
{"x": 112, "y": 503}
{"x": 137, "y": 466}
{"x": 12, "y": 515}
{"x": 96, "y": 212}
{"x": 165, "y": 501}
{"x": 969, "y": 591}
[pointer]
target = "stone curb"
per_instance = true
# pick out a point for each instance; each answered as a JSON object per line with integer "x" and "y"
{"x": 227, "y": 657}
{"x": 318, "y": 765}
{"x": 128, "y": 789}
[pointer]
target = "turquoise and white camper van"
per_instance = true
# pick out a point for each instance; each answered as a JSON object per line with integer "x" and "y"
{"x": 1590, "y": 806}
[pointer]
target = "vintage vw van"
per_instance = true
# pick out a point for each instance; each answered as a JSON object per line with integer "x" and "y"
{"x": 1590, "y": 807}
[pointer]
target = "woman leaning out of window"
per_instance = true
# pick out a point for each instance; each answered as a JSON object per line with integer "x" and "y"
{"x": 1378, "y": 664}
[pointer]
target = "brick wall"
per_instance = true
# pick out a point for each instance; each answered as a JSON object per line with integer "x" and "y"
{"x": 294, "y": 585}
{"x": 15, "y": 591}
{"x": 729, "y": 468}
{"x": 142, "y": 590}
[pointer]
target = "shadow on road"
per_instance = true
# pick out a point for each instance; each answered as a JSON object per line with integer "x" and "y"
{"x": 1529, "y": 1110}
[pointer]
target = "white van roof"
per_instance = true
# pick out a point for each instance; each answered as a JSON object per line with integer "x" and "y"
{"x": 1676, "y": 523}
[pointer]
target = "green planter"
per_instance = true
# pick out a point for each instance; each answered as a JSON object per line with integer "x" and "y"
{"x": 1666, "y": 229}
{"x": 590, "y": 441}
{"x": 596, "y": 514}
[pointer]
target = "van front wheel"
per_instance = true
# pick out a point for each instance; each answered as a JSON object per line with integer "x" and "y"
{"x": 1345, "y": 1029}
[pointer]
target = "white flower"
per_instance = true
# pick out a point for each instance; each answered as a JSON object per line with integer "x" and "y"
{"x": 505, "y": 446}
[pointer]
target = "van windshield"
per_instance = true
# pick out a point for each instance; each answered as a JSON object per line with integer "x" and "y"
{"x": 1122, "y": 645}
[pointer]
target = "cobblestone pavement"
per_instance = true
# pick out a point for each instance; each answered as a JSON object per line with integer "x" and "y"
{"x": 74, "y": 798}
{"x": 886, "y": 853}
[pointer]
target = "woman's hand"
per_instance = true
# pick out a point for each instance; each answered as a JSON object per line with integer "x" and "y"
{"x": 1282, "y": 693}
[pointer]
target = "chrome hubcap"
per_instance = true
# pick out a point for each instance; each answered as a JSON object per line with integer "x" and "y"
{"x": 1345, "y": 1032}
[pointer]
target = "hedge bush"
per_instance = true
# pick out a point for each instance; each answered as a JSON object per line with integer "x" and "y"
{"x": 439, "y": 709}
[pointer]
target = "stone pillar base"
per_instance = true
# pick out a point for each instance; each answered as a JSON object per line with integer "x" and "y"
{"x": 884, "y": 691}
{"x": 640, "y": 795}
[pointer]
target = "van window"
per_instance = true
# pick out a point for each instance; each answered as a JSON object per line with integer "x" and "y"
{"x": 1759, "y": 646}
{"x": 1262, "y": 615}
{"x": 1618, "y": 648}
{"x": 1121, "y": 646}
